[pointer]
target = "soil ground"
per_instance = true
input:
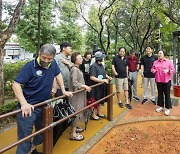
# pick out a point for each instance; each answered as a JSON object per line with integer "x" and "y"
{"x": 141, "y": 138}
{"x": 151, "y": 137}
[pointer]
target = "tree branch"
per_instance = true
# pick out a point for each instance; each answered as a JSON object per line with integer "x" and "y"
{"x": 171, "y": 17}
{"x": 4, "y": 36}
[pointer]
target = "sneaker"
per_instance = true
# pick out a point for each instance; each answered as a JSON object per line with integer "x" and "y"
{"x": 144, "y": 101}
{"x": 128, "y": 106}
{"x": 154, "y": 102}
{"x": 167, "y": 112}
{"x": 159, "y": 109}
{"x": 136, "y": 98}
{"x": 120, "y": 105}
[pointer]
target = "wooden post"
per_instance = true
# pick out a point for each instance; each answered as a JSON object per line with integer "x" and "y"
{"x": 48, "y": 135}
{"x": 110, "y": 103}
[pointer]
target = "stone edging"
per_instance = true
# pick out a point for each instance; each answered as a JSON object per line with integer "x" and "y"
{"x": 147, "y": 119}
{"x": 93, "y": 140}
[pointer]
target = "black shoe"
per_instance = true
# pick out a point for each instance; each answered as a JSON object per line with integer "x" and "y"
{"x": 36, "y": 152}
{"x": 128, "y": 106}
{"x": 120, "y": 105}
{"x": 144, "y": 101}
{"x": 154, "y": 102}
{"x": 136, "y": 98}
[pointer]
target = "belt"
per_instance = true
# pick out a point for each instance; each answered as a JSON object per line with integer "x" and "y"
{"x": 132, "y": 71}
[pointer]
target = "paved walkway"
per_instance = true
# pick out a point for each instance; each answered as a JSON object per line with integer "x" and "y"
{"x": 143, "y": 112}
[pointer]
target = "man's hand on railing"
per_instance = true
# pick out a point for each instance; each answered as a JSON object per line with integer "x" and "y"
{"x": 108, "y": 77}
{"x": 27, "y": 109}
{"x": 88, "y": 89}
{"x": 105, "y": 81}
{"x": 68, "y": 93}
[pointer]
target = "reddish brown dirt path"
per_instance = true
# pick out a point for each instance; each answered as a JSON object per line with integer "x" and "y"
{"x": 153, "y": 137}
{"x": 148, "y": 109}
{"x": 141, "y": 138}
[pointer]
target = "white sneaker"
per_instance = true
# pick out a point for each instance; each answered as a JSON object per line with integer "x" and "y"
{"x": 167, "y": 112}
{"x": 159, "y": 109}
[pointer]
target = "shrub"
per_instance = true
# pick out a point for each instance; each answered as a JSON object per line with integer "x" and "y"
{"x": 108, "y": 63}
{"x": 10, "y": 72}
{"x": 8, "y": 107}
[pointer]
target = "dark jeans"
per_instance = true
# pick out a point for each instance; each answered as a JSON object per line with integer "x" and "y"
{"x": 25, "y": 127}
{"x": 164, "y": 90}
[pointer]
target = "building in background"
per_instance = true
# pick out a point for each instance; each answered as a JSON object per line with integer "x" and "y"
{"x": 14, "y": 51}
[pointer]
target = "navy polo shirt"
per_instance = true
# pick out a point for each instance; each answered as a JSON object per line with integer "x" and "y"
{"x": 37, "y": 81}
{"x": 120, "y": 66}
{"x": 148, "y": 63}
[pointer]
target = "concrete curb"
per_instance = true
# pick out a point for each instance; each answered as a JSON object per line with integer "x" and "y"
{"x": 147, "y": 119}
{"x": 92, "y": 141}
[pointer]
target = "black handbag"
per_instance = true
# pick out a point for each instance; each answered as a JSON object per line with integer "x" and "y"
{"x": 61, "y": 110}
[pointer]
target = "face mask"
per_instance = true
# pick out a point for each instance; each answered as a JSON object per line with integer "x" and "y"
{"x": 44, "y": 64}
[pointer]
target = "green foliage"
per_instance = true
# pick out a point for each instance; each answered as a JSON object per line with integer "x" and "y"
{"x": 10, "y": 72}
{"x": 133, "y": 24}
{"x": 68, "y": 11}
{"x": 166, "y": 32}
{"x": 8, "y": 107}
{"x": 68, "y": 30}
{"x": 92, "y": 34}
{"x": 27, "y": 27}
{"x": 91, "y": 38}
{"x": 108, "y": 62}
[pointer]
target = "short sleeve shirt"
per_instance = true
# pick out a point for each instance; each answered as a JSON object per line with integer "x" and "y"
{"x": 148, "y": 63}
{"x": 85, "y": 67}
{"x": 37, "y": 81}
{"x": 98, "y": 71}
{"x": 64, "y": 68}
{"x": 120, "y": 66}
{"x": 132, "y": 63}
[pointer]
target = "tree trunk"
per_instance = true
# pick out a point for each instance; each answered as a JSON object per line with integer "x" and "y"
{"x": 0, "y": 10}
{"x": 4, "y": 36}
{"x": 1, "y": 77}
{"x": 0, "y": 15}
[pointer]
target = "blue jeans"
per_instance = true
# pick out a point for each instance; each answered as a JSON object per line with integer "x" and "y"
{"x": 25, "y": 127}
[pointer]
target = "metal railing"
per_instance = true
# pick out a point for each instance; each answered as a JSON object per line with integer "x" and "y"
{"x": 47, "y": 130}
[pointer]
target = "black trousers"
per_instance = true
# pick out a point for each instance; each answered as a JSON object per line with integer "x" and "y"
{"x": 164, "y": 92}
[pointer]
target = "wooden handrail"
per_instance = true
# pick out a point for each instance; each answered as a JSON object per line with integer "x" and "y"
{"x": 54, "y": 124}
{"x": 46, "y": 102}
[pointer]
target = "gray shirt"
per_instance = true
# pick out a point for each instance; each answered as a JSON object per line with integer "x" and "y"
{"x": 63, "y": 67}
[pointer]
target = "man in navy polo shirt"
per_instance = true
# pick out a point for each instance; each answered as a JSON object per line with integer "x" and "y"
{"x": 146, "y": 65}
{"x": 37, "y": 78}
{"x": 120, "y": 70}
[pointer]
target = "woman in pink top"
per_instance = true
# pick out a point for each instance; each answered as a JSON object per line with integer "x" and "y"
{"x": 163, "y": 69}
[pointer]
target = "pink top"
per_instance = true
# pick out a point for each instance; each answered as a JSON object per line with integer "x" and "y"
{"x": 163, "y": 70}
